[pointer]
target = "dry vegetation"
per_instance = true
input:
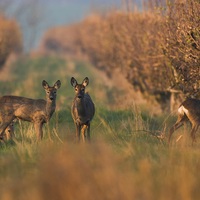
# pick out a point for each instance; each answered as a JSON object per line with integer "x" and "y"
{"x": 154, "y": 50}
{"x": 124, "y": 160}
{"x": 96, "y": 172}
{"x": 157, "y": 50}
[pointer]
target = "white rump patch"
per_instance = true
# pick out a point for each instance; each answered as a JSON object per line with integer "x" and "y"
{"x": 182, "y": 110}
{"x": 186, "y": 111}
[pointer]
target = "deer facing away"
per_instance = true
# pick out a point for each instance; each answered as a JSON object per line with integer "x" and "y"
{"x": 37, "y": 111}
{"x": 82, "y": 109}
{"x": 189, "y": 110}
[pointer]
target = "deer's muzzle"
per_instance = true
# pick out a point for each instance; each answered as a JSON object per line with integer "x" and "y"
{"x": 51, "y": 98}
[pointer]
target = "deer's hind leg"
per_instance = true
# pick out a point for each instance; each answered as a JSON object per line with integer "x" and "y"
{"x": 4, "y": 124}
{"x": 193, "y": 131}
{"x": 88, "y": 132}
{"x": 78, "y": 132}
{"x": 9, "y": 131}
{"x": 180, "y": 121}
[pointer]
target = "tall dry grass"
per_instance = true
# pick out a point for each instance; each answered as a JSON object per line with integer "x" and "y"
{"x": 95, "y": 171}
{"x": 124, "y": 160}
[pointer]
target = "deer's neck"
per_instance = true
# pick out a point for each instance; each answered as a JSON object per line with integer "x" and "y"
{"x": 50, "y": 108}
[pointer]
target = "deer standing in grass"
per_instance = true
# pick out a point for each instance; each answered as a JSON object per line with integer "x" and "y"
{"x": 37, "y": 111}
{"x": 189, "y": 110}
{"x": 82, "y": 109}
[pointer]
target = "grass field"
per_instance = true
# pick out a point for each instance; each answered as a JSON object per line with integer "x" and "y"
{"x": 125, "y": 159}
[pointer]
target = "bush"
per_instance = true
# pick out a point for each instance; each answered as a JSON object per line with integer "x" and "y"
{"x": 182, "y": 45}
{"x": 156, "y": 49}
{"x": 10, "y": 38}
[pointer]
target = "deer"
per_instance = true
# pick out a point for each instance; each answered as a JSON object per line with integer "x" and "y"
{"x": 36, "y": 111}
{"x": 189, "y": 110}
{"x": 82, "y": 109}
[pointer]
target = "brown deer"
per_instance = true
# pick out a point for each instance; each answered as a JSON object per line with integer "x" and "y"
{"x": 82, "y": 109}
{"x": 37, "y": 111}
{"x": 189, "y": 110}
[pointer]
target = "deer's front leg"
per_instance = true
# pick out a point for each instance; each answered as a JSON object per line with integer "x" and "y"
{"x": 5, "y": 124}
{"x": 83, "y": 132}
{"x": 38, "y": 130}
{"x": 78, "y": 132}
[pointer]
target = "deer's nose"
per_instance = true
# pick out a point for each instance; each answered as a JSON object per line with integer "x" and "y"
{"x": 51, "y": 98}
{"x": 79, "y": 96}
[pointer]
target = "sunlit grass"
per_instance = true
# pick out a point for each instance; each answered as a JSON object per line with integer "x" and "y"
{"x": 125, "y": 159}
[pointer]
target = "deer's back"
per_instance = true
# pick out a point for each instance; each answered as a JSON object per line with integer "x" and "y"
{"x": 23, "y": 108}
{"x": 15, "y": 100}
{"x": 191, "y": 103}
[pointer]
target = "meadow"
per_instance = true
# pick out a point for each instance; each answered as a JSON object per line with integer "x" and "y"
{"x": 126, "y": 158}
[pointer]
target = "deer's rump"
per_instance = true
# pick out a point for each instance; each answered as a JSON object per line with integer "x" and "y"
{"x": 23, "y": 108}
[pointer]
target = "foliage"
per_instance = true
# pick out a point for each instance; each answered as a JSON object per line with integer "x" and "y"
{"x": 11, "y": 38}
{"x": 182, "y": 45}
{"x": 157, "y": 49}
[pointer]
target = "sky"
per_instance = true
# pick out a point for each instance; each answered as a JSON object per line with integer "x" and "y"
{"x": 36, "y": 16}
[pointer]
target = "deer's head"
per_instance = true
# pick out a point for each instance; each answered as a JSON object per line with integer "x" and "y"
{"x": 79, "y": 88}
{"x": 51, "y": 91}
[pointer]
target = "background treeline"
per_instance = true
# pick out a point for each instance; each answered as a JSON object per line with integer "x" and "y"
{"x": 10, "y": 38}
{"x": 157, "y": 49}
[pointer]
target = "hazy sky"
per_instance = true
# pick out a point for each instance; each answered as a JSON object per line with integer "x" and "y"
{"x": 36, "y": 16}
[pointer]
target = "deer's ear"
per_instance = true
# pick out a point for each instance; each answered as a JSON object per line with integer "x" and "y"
{"x": 73, "y": 82}
{"x": 57, "y": 84}
{"x": 45, "y": 84}
{"x": 85, "y": 81}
